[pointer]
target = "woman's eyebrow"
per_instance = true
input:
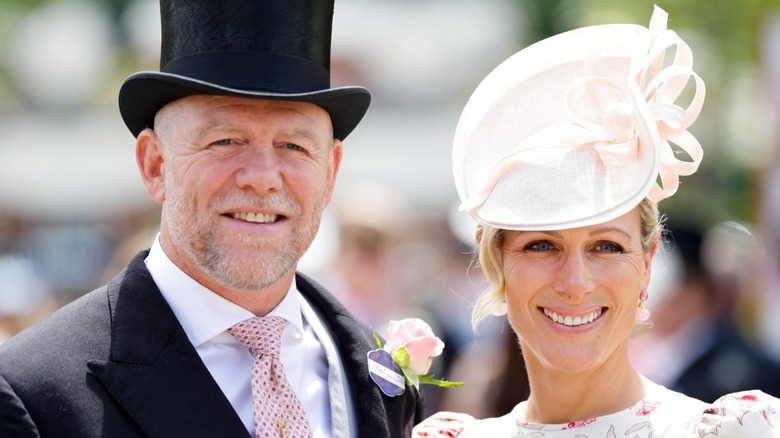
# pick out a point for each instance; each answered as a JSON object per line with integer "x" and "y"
{"x": 605, "y": 230}
{"x": 549, "y": 233}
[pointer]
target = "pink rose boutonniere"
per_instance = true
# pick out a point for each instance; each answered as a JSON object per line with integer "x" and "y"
{"x": 412, "y": 346}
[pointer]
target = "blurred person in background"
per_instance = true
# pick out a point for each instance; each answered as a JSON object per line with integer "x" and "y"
{"x": 489, "y": 358}
{"x": 239, "y": 137}
{"x": 24, "y": 296}
{"x": 769, "y": 214}
{"x": 372, "y": 221}
{"x": 388, "y": 265}
{"x": 561, "y": 156}
{"x": 496, "y": 385}
{"x": 696, "y": 345}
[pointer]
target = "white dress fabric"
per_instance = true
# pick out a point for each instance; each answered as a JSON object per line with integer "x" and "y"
{"x": 661, "y": 413}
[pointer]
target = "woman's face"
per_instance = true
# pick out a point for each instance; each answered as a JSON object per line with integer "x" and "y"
{"x": 572, "y": 294}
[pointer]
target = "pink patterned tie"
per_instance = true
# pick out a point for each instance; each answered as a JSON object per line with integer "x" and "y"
{"x": 278, "y": 412}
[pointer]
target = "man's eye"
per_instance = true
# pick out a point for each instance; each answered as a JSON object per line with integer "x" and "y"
{"x": 293, "y": 147}
{"x": 225, "y": 141}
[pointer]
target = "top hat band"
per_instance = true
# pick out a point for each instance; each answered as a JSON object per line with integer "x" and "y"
{"x": 245, "y": 70}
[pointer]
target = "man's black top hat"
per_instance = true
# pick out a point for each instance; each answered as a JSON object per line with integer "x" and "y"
{"x": 269, "y": 49}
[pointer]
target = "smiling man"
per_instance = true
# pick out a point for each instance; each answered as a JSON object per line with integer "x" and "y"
{"x": 212, "y": 331}
{"x": 243, "y": 183}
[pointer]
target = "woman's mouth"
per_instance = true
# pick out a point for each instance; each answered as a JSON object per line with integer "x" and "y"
{"x": 575, "y": 320}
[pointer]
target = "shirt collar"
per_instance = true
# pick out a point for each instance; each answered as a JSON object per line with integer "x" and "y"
{"x": 202, "y": 313}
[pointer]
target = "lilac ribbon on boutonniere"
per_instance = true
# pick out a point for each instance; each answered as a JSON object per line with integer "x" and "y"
{"x": 385, "y": 372}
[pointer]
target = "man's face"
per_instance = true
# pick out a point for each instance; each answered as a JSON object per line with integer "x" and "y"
{"x": 243, "y": 183}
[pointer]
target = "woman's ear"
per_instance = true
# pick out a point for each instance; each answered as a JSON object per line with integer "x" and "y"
{"x": 150, "y": 160}
{"x": 654, "y": 246}
{"x": 648, "y": 260}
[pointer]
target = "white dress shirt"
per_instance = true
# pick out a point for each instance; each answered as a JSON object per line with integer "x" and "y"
{"x": 206, "y": 316}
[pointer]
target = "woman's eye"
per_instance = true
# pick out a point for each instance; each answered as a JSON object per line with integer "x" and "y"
{"x": 539, "y": 246}
{"x": 223, "y": 142}
{"x": 609, "y": 247}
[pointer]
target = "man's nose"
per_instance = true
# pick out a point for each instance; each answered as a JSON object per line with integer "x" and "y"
{"x": 259, "y": 169}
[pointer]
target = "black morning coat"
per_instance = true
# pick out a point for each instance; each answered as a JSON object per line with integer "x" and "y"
{"x": 117, "y": 363}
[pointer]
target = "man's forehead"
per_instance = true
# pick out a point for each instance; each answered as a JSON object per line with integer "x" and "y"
{"x": 210, "y": 112}
{"x": 211, "y": 105}
{"x": 218, "y": 101}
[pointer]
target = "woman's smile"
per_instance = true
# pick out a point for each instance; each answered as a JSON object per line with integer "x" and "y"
{"x": 573, "y": 319}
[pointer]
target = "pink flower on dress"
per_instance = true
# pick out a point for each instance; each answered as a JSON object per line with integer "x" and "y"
{"x": 647, "y": 409}
{"x": 416, "y": 337}
{"x": 750, "y": 398}
{"x": 580, "y": 423}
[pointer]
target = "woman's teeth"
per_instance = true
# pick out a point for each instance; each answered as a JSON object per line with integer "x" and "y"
{"x": 573, "y": 320}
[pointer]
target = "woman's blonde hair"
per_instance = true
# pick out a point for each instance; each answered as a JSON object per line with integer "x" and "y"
{"x": 491, "y": 240}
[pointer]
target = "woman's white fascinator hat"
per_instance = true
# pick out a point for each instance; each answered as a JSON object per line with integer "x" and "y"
{"x": 579, "y": 128}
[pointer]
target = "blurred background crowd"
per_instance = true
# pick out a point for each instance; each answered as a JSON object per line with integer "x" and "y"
{"x": 73, "y": 209}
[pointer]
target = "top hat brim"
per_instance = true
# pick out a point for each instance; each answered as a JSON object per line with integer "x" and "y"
{"x": 143, "y": 94}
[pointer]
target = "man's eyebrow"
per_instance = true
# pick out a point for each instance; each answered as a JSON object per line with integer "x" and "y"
{"x": 214, "y": 125}
{"x": 310, "y": 138}
{"x": 303, "y": 133}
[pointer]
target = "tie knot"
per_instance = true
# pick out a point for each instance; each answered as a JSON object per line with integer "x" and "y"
{"x": 262, "y": 336}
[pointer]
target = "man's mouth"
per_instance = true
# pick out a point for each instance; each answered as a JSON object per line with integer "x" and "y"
{"x": 573, "y": 321}
{"x": 258, "y": 218}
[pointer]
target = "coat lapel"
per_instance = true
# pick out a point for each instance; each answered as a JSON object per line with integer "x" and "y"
{"x": 154, "y": 372}
{"x": 378, "y": 415}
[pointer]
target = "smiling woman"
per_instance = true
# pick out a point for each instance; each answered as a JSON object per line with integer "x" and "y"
{"x": 650, "y": 229}
{"x": 561, "y": 156}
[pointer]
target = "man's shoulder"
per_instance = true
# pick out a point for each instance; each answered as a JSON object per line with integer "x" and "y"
{"x": 75, "y": 326}
{"x": 81, "y": 328}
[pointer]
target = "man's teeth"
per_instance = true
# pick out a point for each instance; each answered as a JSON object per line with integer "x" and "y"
{"x": 255, "y": 217}
{"x": 573, "y": 320}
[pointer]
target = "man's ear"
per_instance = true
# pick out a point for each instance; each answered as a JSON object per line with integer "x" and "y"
{"x": 149, "y": 157}
{"x": 333, "y": 167}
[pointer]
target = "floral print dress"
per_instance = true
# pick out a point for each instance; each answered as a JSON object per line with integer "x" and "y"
{"x": 662, "y": 413}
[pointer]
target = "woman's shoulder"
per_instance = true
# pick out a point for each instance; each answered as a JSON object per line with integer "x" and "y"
{"x": 747, "y": 414}
{"x": 740, "y": 414}
{"x": 454, "y": 424}
{"x": 736, "y": 415}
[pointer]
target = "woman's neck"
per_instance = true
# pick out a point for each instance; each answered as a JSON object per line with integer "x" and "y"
{"x": 561, "y": 397}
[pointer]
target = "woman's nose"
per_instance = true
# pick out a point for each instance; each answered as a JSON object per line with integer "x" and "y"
{"x": 574, "y": 277}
